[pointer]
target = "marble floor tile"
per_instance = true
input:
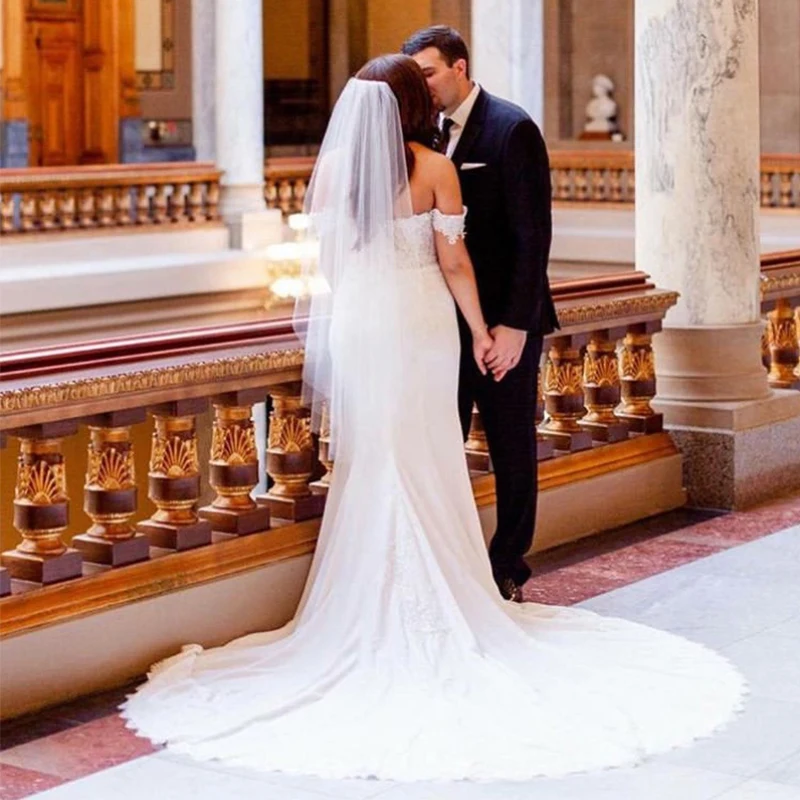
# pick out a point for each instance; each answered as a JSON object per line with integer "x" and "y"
{"x": 789, "y": 627}
{"x": 162, "y": 779}
{"x": 80, "y": 750}
{"x": 771, "y": 664}
{"x": 786, "y": 771}
{"x": 767, "y": 732}
{"x": 760, "y": 790}
{"x": 16, "y": 782}
{"x": 652, "y": 782}
{"x": 716, "y": 610}
{"x": 346, "y": 789}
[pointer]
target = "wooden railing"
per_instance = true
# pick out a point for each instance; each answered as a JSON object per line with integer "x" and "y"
{"x": 780, "y": 303}
{"x": 578, "y": 176}
{"x": 43, "y": 199}
{"x": 594, "y": 396}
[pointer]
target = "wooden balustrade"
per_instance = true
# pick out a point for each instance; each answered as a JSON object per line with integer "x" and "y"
{"x": 167, "y": 380}
{"x": 578, "y": 176}
{"x": 780, "y": 303}
{"x": 44, "y": 199}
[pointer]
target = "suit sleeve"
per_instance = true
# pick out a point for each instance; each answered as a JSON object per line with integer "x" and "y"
{"x": 526, "y": 179}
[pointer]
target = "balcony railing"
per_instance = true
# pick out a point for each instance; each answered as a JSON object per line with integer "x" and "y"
{"x": 780, "y": 303}
{"x": 45, "y": 200}
{"x": 594, "y": 416}
{"x": 578, "y": 176}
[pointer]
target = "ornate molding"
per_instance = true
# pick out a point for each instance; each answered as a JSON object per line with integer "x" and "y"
{"x": 56, "y": 394}
{"x": 780, "y": 284}
{"x": 617, "y": 308}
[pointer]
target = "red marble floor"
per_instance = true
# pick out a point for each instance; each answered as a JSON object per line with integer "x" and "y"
{"x": 57, "y": 745}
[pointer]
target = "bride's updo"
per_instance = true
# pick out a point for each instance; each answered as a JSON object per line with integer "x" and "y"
{"x": 407, "y": 82}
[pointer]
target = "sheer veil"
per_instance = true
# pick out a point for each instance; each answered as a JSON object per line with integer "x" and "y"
{"x": 350, "y": 323}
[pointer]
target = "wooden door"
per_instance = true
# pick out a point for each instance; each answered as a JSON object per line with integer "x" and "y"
{"x": 56, "y": 114}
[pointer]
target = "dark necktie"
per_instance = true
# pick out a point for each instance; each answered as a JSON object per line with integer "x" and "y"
{"x": 444, "y": 134}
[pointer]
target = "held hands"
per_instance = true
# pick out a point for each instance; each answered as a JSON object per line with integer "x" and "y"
{"x": 506, "y": 350}
{"x": 482, "y": 344}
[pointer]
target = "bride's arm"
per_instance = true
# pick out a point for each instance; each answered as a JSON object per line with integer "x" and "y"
{"x": 454, "y": 260}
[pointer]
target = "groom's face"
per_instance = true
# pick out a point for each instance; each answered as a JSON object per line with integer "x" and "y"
{"x": 444, "y": 81}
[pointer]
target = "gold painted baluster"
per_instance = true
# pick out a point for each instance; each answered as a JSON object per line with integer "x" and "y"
{"x": 28, "y": 212}
{"x": 601, "y": 387}
{"x": 785, "y": 190}
{"x": 212, "y": 201}
{"x": 544, "y": 447}
{"x": 581, "y": 185}
{"x": 66, "y": 207}
{"x": 142, "y": 205}
{"x": 110, "y": 494}
{"x": 233, "y": 466}
{"x": 563, "y": 395}
{"x": 86, "y": 208}
{"x": 41, "y": 507}
{"x": 766, "y": 189}
{"x": 323, "y": 484}
{"x": 106, "y": 215}
{"x": 476, "y": 447}
{"x": 7, "y": 212}
{"x": 784, "y": 353}
{"x": 123, "y": 206}
{"x": 174, "y": 478}
{"x": 638, "y": 374}
{"x": 195, "y": 202}
{"x": 290, "y": 458}
{"x": 47, "y": 211}
{"x": 563, "y": 184}
{"x": 615, "y": 176}
{"x": 160, "y": 204}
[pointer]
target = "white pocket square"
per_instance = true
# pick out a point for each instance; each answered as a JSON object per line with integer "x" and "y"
{"x": 469, "y": 165}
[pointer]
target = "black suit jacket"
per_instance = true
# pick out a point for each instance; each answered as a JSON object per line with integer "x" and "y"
{"x": 509, "y": 225}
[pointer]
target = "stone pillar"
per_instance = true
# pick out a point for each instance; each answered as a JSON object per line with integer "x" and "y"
{"x": 697, "y": 231}
{"x": 239, "y": 109}
{"x": 203, "y": 79}
{"x": 508, "y": 51}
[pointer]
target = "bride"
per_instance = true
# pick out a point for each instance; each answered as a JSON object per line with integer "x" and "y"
{"x": 403, "y": 661}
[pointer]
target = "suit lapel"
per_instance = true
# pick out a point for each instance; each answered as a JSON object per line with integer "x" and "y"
{"x": 471, "y": 130}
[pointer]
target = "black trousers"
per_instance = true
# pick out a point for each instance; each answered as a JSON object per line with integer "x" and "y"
{"x": 508, "y": 411}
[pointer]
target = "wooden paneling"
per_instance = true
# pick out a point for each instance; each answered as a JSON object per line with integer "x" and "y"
{"x": 55, "y": 91}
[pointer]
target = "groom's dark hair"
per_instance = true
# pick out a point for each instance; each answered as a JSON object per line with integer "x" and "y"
{"x": 446, "y": 40}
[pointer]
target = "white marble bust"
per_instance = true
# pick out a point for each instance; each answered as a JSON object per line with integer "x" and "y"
{"x": 601, "y": 110}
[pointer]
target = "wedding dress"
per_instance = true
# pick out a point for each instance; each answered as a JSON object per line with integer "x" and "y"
{"x": 403, "y": 662}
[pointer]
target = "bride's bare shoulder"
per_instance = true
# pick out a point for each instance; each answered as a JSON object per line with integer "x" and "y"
{"x": 432, "y": 163}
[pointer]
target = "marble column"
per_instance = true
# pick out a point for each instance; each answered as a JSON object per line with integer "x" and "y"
{"x": 697, "y": 190}
{"x": 697, "y": 231}
{"x": 239, "y": 107}
{"x": 508, "y": 51}
{"x": 203, "y": 79}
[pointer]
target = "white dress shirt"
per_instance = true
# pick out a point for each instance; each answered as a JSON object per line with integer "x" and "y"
{"x": 460, "y": 117}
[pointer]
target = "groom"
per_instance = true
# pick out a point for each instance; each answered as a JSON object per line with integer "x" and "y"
{"x": 505, "y": 182}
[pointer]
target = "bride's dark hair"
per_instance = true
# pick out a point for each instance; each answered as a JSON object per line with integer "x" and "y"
{"x": 407, "y": 82}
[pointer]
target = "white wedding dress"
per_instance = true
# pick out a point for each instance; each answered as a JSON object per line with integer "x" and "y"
{"x": 403, "y": 662}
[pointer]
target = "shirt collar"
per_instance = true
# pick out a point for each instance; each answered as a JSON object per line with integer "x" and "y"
{"x": 461, "y": 114}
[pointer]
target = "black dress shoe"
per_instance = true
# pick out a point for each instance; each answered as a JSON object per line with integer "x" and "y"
{"x": 510, "y": 591}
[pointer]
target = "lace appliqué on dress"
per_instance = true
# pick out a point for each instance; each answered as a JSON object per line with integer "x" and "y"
{"x": 450, "y": 225}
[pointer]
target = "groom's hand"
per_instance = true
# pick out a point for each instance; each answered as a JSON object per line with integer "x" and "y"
{"x": 506, "y": 350}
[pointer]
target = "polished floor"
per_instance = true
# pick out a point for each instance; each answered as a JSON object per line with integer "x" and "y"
{"x": 729, "y": 581}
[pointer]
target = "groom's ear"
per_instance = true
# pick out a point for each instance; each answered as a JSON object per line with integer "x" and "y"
{"x": 462, "y": 66}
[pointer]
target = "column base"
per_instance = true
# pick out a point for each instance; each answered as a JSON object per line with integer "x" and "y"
{"x": 252, "y": 225}
{"x": 710, "y": 363}
{"x": 43, "y": 569}
{"x": 5, "y": 582}
{"x": 112, "y": 552}
{"x": 176, "y": 537}
{"x": 240, "y": 523}
{"x": 737, "y": 454}
{"x": 295, "y": 509}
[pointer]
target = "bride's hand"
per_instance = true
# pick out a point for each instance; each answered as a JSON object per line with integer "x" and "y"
{"x": 482, "y": 343}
